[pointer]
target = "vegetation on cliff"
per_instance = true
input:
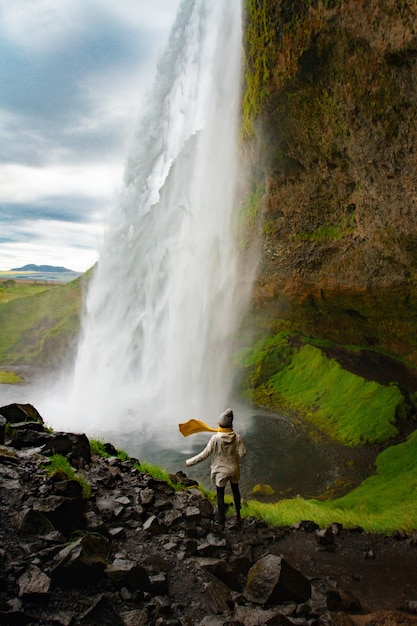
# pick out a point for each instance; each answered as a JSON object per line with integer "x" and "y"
{"x": 350, "y": 409}
{"x": 39, "y": 323}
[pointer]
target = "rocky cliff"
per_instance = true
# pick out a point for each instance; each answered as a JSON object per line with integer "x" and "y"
{"x": 329, "y": 117}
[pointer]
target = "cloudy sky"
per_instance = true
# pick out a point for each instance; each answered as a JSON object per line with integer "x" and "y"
{"x": 73, "y": 77}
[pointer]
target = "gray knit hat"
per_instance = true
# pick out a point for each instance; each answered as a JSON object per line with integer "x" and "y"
{"x": 226, "y": 419}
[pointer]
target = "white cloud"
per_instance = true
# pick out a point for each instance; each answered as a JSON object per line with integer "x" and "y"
{"x": 20, "y": 183}
{"x": 74, "y": 76}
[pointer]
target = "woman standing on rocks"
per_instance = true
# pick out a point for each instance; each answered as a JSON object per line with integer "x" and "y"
{"x": 226, "y": 448}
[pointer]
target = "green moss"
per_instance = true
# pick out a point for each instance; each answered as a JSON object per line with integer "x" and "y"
{"x": 349, "y": 409}
{"x": 384, "y": 502}
{"x": 10, "y": 378}
{"x": 263, "y": 490}
{"x": 249, "y": 215}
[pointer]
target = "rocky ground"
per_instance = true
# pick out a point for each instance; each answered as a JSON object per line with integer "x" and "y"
{"x": 135, "y": 552}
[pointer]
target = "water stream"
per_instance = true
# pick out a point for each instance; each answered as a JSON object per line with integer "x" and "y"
{"x": 164, "y": 303}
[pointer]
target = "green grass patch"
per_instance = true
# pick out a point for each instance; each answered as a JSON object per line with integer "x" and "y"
{"x": 98, "y": 448}
{"x": 60, "y": 465}
{"x": 11, "y": 289}
{"x": 384, "y": 502}
{"x": 10, "y": 378}
{"x": 40, "y": 324}
{"x": 349, "y": 409}
{"x": 159, "y": 473}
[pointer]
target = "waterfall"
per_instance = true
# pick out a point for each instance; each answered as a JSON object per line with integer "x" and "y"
{"x": 164, "y": 302}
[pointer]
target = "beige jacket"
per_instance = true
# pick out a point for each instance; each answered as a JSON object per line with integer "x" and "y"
{"x": 226, "y": 448}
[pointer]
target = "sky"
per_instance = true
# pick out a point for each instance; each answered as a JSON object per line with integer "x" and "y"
{"x": 74, "y": 75}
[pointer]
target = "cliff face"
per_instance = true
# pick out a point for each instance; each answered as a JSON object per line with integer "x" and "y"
{"x": 330, "y": 119}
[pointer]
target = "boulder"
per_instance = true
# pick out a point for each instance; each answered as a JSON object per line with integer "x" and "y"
{"x": 20, "y": 412}
{"x": 29, "y": 438}
{"x": 75, "y": 447}
{"x": 273, "y": 581}
{"x": 82, "y": 562}
{"x": 65, "y": 514}
{"x": 34, "y": 584}
{"x": 125, "y": 573}
{"x": 102, "y": 612}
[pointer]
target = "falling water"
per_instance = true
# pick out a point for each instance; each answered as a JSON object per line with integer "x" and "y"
{"x": 164, "y": 302}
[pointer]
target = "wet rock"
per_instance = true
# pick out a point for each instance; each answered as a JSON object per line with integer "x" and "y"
{"x": 3, "y": 423}
{"x": 34, "y": 523}
{"x": 68, "y": 489}
{"x": 102, "y": 612}
{"x": 216, "y": 596}
{"x": 325, "y": 536}
{"x": 153, "y": 526}
{"x": 307, "y": 526}
{"x": 20, "y": 412}
{"x": 65, "y": 514}
{"x": 75, "y": 447}
{"x": 273, "y": 581}
{"x": 29, "y": 438}
{"x": 34, "y": 584}
{"x": 124, "y": 573}
{"x": 338, "y": 600}
{"x": 180, "y": 477}
{"x": 81, "y": 563}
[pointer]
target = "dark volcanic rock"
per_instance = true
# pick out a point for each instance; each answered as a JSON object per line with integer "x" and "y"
{"x": 273, "y": 581}
{"x": 136, "y": 553}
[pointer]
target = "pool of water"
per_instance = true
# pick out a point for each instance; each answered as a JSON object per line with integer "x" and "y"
{"x": 280, "y": 453}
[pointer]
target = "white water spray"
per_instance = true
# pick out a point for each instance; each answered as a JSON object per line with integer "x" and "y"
{"x": 164, "y": 302}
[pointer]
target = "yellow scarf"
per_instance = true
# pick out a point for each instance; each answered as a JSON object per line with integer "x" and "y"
{"x": 197, "y": 426}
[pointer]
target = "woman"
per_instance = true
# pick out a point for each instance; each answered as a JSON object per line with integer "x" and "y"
{"x": 226, "y": 448}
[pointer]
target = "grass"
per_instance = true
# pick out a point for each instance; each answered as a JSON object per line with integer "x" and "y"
{"x": 60, "y": 465}
{"x": 10, "y": 378}
{"x": 12, "y": 289}
{"x": 98, "y": 448}
{"x": 39, "y": 324}
{"x": 349, "y": 409}
{"x": 384, "y": 502}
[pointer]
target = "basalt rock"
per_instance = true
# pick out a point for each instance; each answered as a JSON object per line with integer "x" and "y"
{"x": 135, "y": 552}
{"x": 273, "y": 581}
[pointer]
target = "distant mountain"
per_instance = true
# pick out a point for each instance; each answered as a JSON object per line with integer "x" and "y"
{"x": 40, "y": 268}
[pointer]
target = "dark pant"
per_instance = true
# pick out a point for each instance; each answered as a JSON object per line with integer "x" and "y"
{"x": 220, "y": 501}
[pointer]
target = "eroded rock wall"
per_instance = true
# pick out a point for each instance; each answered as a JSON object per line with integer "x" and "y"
{"x": 330, "y": 120}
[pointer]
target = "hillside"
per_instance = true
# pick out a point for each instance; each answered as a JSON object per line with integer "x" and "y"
{"x": 39, "y": 323}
